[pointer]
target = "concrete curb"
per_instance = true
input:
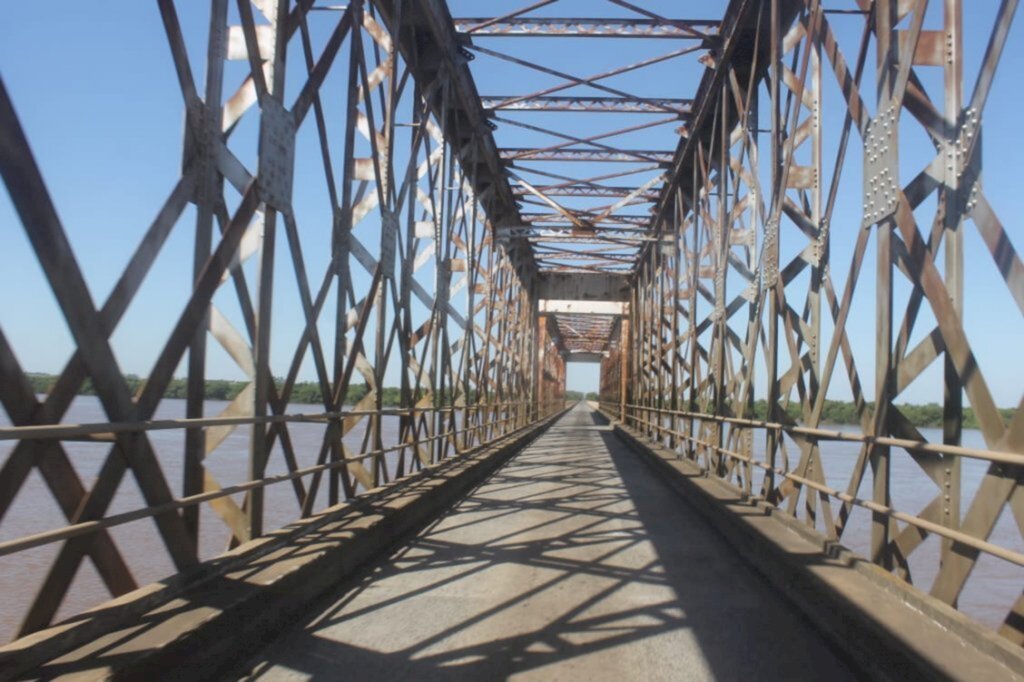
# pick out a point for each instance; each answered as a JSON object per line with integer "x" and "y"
{"x": 198, "y": 626}
{"x": 886, "y": 629}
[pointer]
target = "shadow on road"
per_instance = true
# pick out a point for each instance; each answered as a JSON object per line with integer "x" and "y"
{"x": 573, "y": 555}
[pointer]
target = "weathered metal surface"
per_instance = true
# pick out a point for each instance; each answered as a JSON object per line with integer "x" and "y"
{"x": 582, "y": 307}
{"x": 587, "y": 287}
{"x": 577, "y": 27}
{"x": 447, "y": 313}
{"x": 741, "y": 329}
{"x": 611, "y": 105}
{"x": 448, "y": 250}
{"x": 618, "y": 155}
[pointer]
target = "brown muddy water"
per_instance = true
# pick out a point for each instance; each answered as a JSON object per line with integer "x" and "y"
{"x": 991, "y": 590}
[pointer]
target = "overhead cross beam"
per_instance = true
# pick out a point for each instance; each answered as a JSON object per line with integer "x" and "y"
{"x": 533, "y": 27}
{"x": 592, "y": 229}
{"x": 590, "y": 155}
{"x": 637, "y": 221}
{"x": 595, "y": 191}
{"x": 570, "y": 81}
{"x": 602, "y": 235}
{"x": 609, "y": 105}
{"x": 584, "y": 333}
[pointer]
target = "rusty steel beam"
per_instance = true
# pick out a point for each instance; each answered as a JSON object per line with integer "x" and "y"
{"x": 732, "y": 315}
{"x": 740, "y": 322}
{"x": 571, "y": 232}
{"x": 687, "y": 29}
{"x": 611, "y": 105}
{"x": 585, "y": 333}
{"x": 465, "y": 125}
{"x": 415, "y": 185}
{"x": 596, "y": 191}
{"x": 661, "y": 157}
{"x": 612, "y": 220}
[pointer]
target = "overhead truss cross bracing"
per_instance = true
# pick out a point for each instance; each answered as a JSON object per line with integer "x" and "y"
{"x": 567, "y": 173}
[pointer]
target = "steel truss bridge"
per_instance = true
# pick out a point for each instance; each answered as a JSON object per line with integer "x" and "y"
{"x": 475, "y": 237}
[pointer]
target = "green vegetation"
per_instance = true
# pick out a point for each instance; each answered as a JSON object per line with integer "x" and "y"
{"x": 835, "y": 411}
{"x": 307, "y": 392}
{"x": 842, "y": 412}
{"x": 580, "y": 395}
{"x": 573, "y": 395}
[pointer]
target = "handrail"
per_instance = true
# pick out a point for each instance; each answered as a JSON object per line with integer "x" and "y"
{"x": 62, "y": 431}
{"x": 824, "y": 434}
{"x": 85, "y": 527}
{"x": 949, "y": 533}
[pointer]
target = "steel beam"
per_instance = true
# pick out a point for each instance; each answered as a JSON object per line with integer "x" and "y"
{"x": 588, "y": 191}
{"x": 610, "y": 105}
{"x": 512, "y": 155}
{"x": 689, "y": 29}
{"x": 615, "y": 308}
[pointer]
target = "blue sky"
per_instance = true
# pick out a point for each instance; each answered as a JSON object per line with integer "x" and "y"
{"x": 95, "y": 89}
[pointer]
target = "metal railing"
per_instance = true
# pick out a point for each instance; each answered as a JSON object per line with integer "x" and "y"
{"x": 506, "y": 428}
{"x": 664, "y": 435}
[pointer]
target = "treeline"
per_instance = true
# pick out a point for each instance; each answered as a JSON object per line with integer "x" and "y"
{"x": 924, "y": 416}
{"x": 307, "y": 392}
{"x": 580, "y": 395}
{"x": 843, "y": 412}
{"x": 834, "y": 412}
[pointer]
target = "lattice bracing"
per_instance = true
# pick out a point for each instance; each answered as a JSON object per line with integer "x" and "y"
{"x": 743, "y": 328}
{"x": 417, "y": 293}
{"x": 744, "y": 219}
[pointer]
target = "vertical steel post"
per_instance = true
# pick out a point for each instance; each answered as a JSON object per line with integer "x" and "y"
{"x": 888, "y": 57}
{"x": 952, "y": 204}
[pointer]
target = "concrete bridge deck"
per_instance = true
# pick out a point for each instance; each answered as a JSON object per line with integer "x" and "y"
{"x": 574, "y": 561}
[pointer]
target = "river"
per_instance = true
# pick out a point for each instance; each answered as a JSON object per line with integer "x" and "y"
{"x": 991, "y": 590}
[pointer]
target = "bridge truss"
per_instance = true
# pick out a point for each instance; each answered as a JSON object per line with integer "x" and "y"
{"x": 702, "y": 270}
{"x": 417, "y": 290}
{"x": 743, "y": 290}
